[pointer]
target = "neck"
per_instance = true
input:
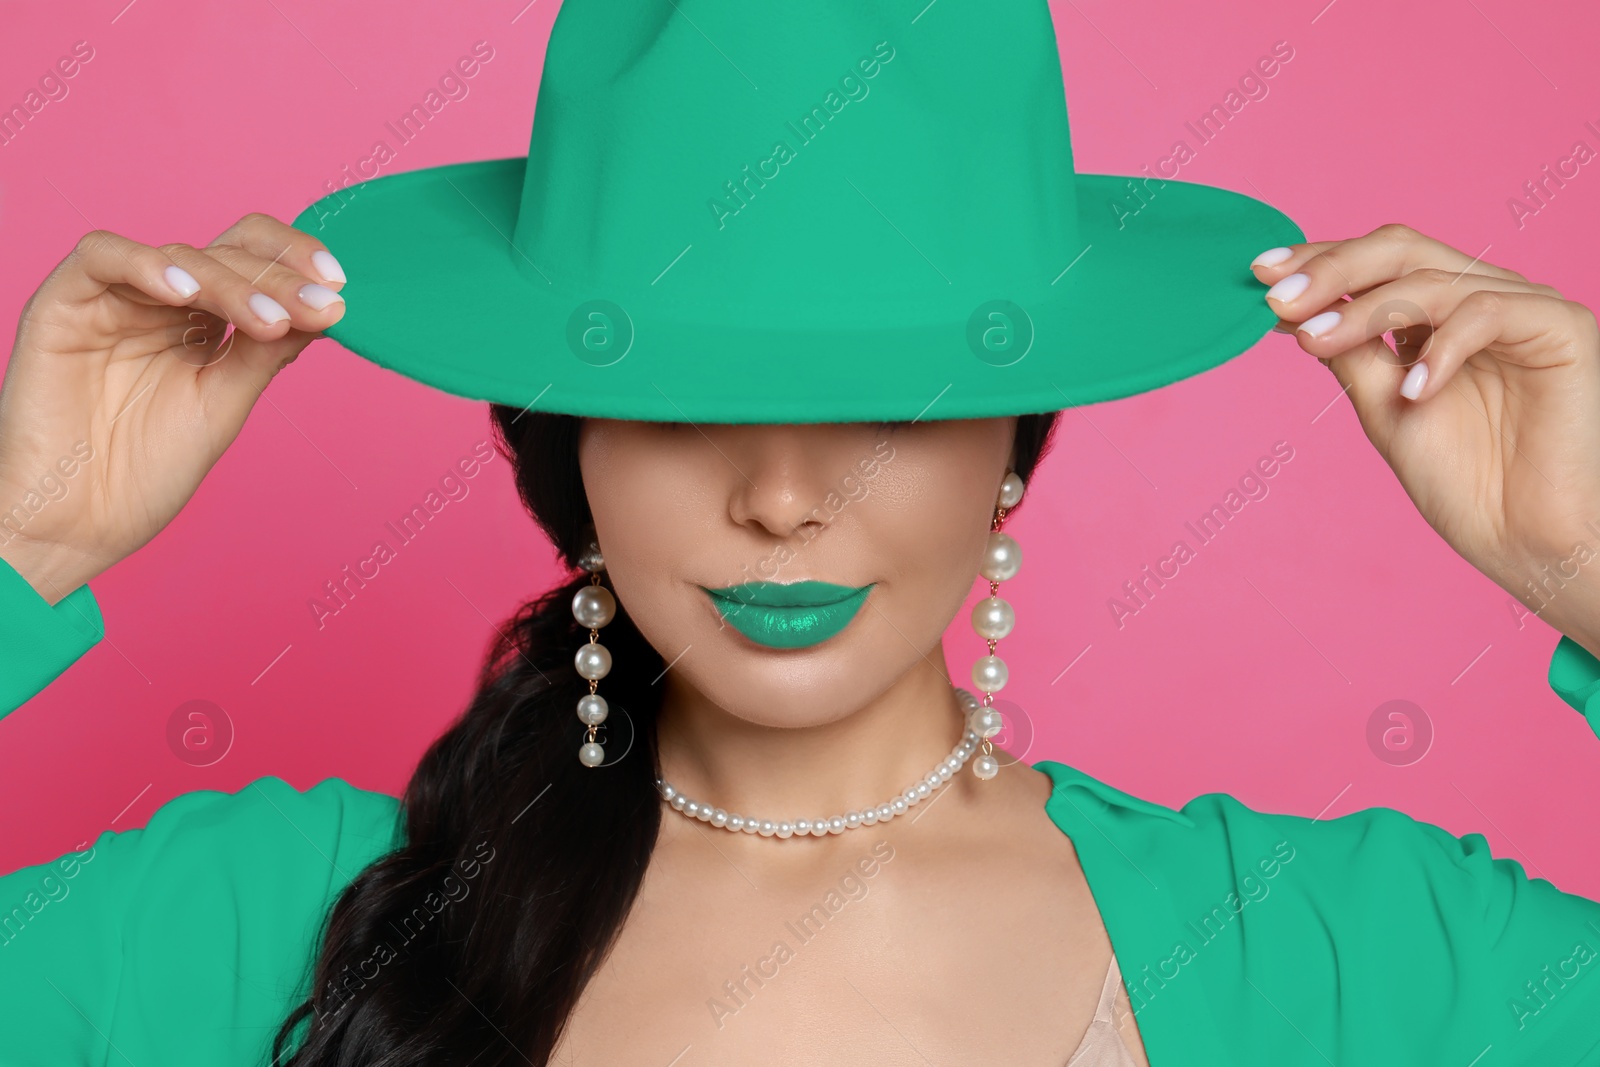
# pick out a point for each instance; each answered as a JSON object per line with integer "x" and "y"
{"x": 861, "y": 760}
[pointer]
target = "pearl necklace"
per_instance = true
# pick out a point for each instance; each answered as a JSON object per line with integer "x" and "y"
{"x": 976, "y": 731}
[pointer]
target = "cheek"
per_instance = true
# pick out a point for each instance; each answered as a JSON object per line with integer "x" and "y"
{"x": 925, "y": 546}
{"x": 930, "y": 515}
{"x": 650, "y": 509}
{"x": 936, "y": 492}
{"x": 627, "y": 480}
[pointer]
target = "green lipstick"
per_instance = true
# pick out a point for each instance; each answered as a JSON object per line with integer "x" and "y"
{"x": 788, "y": 615}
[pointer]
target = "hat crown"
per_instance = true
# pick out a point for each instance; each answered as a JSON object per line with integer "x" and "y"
{"x": 864, "y": 159}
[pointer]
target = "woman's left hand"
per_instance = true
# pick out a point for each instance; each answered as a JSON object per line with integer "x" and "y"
{"x": 1487, "y": 408}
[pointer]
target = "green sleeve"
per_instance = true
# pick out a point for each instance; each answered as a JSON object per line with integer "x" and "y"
{"x": 38, "y": 641}
{"x": 188, "y": 941}
{"x": 1374, "y": 938}
{"x": 1575, "y": 676}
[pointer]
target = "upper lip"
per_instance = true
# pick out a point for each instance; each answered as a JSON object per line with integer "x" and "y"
{"x": 809, "y": 593}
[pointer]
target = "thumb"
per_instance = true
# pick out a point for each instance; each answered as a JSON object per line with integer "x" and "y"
{"x": 242, "y": 368}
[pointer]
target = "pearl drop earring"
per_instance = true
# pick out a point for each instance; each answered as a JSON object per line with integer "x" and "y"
{"x": 993, "y": 619}
{"x": 593, "y": 606}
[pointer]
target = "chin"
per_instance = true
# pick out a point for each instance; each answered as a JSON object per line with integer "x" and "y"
{"x": 788, "y": 688}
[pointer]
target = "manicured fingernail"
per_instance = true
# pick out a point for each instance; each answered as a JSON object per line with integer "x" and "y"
{"x": 182, "y": 281}
{"x": 318, "y": 296}
{"x": 1272, "y": 257}
{"x": 1289, "y": 288}
{"x": 1317, "y": 325}
{"x": 267, "y": 309}
{"x": 327, "y": 266}
{"x": 1416, "y": 378}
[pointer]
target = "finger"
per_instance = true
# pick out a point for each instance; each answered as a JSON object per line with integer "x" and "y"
{"x": 1327, "y": 362}
{"x": 322, "y": 306}
{"x": 102, "y": 259}
{"x": 1521, "y": 328}
{"x": 1423, "y": 298}
{"x": 1518, "y": 282}
{"x": 1285, "y": 326}
{"x": 226, "y": 294}
{"x": 1313, "y": 276}
{"x": 1276, "y": 263}
{"x": 262, "y": 235}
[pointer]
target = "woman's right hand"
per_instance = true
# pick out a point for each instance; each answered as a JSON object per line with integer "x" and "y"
{"x": 122, "y": 391}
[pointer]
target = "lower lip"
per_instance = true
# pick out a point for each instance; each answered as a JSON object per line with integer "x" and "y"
{"x": 789, "y": 627}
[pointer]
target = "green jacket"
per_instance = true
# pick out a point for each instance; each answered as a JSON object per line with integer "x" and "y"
{"x": 1245, "y": 937}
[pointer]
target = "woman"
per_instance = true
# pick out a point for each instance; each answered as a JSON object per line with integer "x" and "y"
{"x": 780, "y": 535}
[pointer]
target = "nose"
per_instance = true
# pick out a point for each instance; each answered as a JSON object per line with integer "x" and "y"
{"x": 783, "y": 478}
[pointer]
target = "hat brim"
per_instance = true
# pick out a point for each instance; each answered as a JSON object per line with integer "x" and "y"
{"x": 438, "y": 293}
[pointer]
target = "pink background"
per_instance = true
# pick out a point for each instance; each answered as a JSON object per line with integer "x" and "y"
{"x": 1254, "y": 672}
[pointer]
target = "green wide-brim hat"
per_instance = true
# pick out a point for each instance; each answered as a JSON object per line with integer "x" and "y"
{"x": 848, "y": 210}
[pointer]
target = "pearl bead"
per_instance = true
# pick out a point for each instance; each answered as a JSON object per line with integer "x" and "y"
{"x": 819, "y": 827}
{"x": 593, "y": 606}
{"x": 802, "y": 826}
{"x": 933, "y": 780}
{"x": 767, "y": 828}
{"x": 923, "y": 791}
{"x": 993, "y": 618}
{"x": 986, "y": 767}
{"x": 1011, "y": 490}
{"x": 869, "y": 817}
{"x": 667, "y": 791}
{"x": 885, "y": 813}
{"x": 910, "y": 796}
{"x": 1002, "y": 559}
{"x": 680, "y": 802}
{"x": 968, "y": 701}
{"x": 591, "y": 560}
{"x": 786, "y": 829}
{"x": 719, "y": 818}
{"x": 593, "y": 660}
{"x": 987, "y": 723}
{"x": 735, "y": 822}
{"x": 836, "y": 825}
{"x": 989, "y": 673}
{"x": 591, "y": 754}
{"x": 751, "y": 826}
{"x": 592, "y": 710}
{"x": 944, "y": 773}
{"x": 899, "y": 805}
{"x": 692, "y": 809}
{"x": 852, "y": 819}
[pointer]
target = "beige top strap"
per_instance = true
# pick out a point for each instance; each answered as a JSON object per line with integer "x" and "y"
{"x": 1108, "y": 994}
{"x": 1102, "y": 1045}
